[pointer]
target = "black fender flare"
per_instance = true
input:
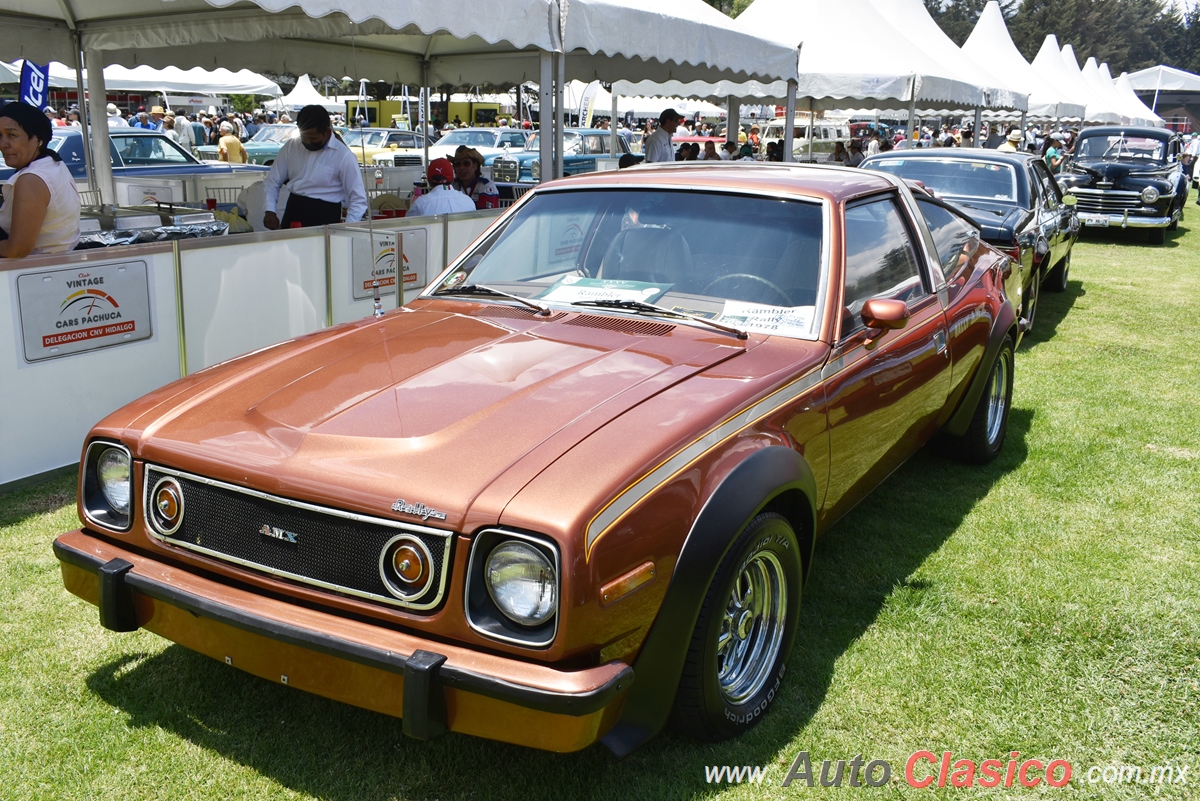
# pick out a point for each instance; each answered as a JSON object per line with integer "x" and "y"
{"x": 748, "y": 488}
{"x": 960, "y": 421}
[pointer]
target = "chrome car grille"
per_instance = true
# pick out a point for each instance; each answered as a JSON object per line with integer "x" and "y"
{"x": 326, "y": 548}
{"x": 1096, "y": 201}
{"x": 406, "y": 161}
{"x": 505, "y": 170}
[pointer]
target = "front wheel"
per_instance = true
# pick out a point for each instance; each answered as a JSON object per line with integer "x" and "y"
{"x": 1156, "y": 236}
{"x": 989, "y": 424}
{"x": 739, "y": 649}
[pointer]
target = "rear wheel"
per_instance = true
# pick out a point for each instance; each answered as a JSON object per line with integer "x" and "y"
{"x": 1056, "y": 279}
{"x": 738, "y": 654}
{"x": 989, "y": 424}
{"x": 1030, "y": 301}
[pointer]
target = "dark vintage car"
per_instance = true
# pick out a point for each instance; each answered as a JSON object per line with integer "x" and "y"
{"x": 572, "y": 491}
{"x": 1014, "y": 200}
{"x": 1128, "y": 177}
{"x": 582, "y": 148}
{"x": 136, "y": 153}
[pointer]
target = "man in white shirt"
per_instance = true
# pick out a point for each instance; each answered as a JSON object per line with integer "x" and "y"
{"x": 115, "y": 120}
{"x": 321, "y": 172}
{"x": 658, "y": 145}
{"x": 442, "y": 198}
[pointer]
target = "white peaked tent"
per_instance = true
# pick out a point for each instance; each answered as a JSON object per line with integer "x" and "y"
{"x": 1052, "y": 71}
{"x": 990, "y": 43}
{"x": 1101, "y": 80}
{"x": 1125, "y": 91}
{"x": 304, "y": 95}
{"x": 1100, "y": 106}
{"x": 912, "y": 19}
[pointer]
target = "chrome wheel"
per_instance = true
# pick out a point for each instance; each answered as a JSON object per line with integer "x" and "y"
{"x": 752, "y": 628}
{"x": 998, "y": 394}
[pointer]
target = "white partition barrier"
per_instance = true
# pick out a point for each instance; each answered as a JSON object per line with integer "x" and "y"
{"x": 66, "y": 362}
{"x": 93, "y": 330}
{"x": 244, "y": 293}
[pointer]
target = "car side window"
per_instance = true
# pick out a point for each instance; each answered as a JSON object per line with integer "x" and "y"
{"x": 594, "y": 143}
{"x": 1052, "y": 195}
{"x": 954, "y": 238}
{"x": 881, "y": 261}
{"x": 514, "y": 140}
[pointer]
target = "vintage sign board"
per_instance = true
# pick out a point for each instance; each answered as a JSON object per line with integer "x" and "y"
{"x": 390, "y": 249}
{"x": 83, "y": 308}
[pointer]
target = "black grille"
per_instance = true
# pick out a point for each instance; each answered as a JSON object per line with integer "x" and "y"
{"x": 1107, "y": 202}
{"x": 330, "y": 550}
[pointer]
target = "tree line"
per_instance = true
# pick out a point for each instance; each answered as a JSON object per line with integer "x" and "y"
{"x": 1127, "y": 34}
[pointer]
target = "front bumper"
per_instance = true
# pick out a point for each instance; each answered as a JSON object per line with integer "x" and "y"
{"x": 435, "y": 687}
{"x": 1122, "y": 220}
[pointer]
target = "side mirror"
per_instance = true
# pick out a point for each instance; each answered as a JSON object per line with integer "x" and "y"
{"x": 885, "y": 314}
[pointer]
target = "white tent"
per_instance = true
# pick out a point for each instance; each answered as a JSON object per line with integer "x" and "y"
{"x": 1125, "y": 91}
{"x": 990, "y": 43}
{"x": 1052, "y": 71}
{"x": 169, "y": 80}
{"x": 1184, "y": 86}
{"x": 912, "y": 19}
{"x": 304, "y": 95}
{"x": 1101, "y": 80}
{"x": 1100, "y": 105}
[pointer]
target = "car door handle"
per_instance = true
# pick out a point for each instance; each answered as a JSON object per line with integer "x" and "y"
{"x": 939, "y": 340}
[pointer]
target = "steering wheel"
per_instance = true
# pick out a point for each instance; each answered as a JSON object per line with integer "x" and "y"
{"x": 755, "y": 279}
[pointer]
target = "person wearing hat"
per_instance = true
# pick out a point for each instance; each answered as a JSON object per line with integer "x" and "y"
{"x": 657, "y": 146}
{"x": 468, "y": 178}
{"x": 156, "y": 118}
{"x": 182, "y": 128}
{"x": 39, "y": 204}
{"x": 321, "y": 172}
{"x": 1052, "y": 152}
{"x": 115, "y": 120}
{"x": 442, "y": 197}
{"x": 1009, "y": 145}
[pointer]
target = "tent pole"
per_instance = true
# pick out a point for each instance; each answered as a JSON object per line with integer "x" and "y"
{"x": 545, "y": 114}
{"x": 1024, "y": 114}
{"x": 812, "y": 121}
{"x": 1157, "y": 86}
{"x": 612, "y": 123}
{"x": 97, "y": 106}
{"x": 789, "y": 132}
{"x": 424, "y": 99}
{"x": 83, "y": 108}
{"x": 559, "y": 115}
{"x": 979, "y": 140}
{"x": 732, "y": 123}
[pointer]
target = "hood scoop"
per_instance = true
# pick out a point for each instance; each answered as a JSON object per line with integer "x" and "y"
{"x": 640, "y": 328}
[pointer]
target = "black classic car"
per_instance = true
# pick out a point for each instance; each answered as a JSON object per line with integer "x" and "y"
{"x": 1128, "y": 177}
{"x": 1011, "y": 197}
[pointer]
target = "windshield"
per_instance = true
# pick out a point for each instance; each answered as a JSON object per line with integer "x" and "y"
{"x": 275, "y": 133}
{"x": 749, "y": 262}
{"x": 469, "y": 138}
{"x": 1122, "y": 147}
{"x": 978, "y": 180}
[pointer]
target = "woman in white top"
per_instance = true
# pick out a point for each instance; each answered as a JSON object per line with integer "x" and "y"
{"x": 40, "y": 213}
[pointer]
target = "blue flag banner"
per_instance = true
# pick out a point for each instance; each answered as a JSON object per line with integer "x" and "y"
{"x": 34, "y": 81}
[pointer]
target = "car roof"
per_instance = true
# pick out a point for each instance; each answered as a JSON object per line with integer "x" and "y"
{"x": 1138, "y": 130}
{"x": 829, "y": 182}
{"x": 956, "y": 154}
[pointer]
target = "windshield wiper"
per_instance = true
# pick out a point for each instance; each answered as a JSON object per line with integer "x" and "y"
{"x": 642, "y": 306}
{"x": 480, "y": 289}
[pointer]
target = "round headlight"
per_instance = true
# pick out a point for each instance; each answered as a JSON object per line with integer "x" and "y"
{"x": 536, "y": 169}
{"x": 522, "y": 583}
{"x": 1149, "y": 194}
{"x": 112, "y": 471}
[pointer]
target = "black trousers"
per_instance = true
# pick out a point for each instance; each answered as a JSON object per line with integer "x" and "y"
{"x": 310, "y": 212}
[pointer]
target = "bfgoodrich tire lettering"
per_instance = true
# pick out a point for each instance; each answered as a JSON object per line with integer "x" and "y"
{"x": 739, "y": 649}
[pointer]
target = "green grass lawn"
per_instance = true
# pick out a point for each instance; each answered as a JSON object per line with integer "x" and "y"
{"x": 1047, "y": 604}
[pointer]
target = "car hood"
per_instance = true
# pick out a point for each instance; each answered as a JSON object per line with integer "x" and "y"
{"x": 424, "y": 406}
{"x": 1087, "y": 173}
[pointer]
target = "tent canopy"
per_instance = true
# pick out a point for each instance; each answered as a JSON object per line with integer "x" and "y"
{"x": 169, "y": 80}
{"x": 990, "y": 43}
{"x": 1125, "y": 91}
{"x": 304, "y": 95}
{"x": 1164, "y": 79}
{"x": 1099, "y": 106}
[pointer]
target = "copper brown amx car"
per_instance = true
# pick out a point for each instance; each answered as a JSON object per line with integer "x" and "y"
{"x": 569, "y": 494}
